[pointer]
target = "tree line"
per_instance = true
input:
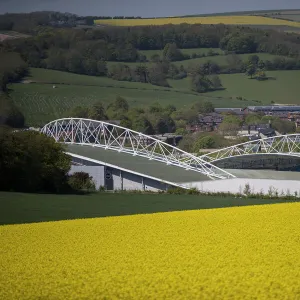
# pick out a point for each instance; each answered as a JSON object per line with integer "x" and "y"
{"x": 122, "y": 43}
{"x": 155, "y": 119}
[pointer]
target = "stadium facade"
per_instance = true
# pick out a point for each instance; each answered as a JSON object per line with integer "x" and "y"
{"x": 122, "y": 159}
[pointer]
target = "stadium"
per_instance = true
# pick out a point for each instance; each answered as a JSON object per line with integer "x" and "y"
{"x": 119, "y": 158}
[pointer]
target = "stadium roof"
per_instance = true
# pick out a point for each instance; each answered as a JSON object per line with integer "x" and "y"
{"x": 138, "y": 164}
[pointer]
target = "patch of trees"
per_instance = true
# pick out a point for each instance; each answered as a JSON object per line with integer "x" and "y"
{"x": 254, "y": 67}
{"x": 31, "y": 23}
{"x": 121, "y": 43}
{"x": 282, "y": 126}
{"x": 32, "y": 162}
{"x": 201, "y": 83}
{"x": 196, "y": 142}
{"x": 154, "y": 119}
{"x": 230, "y": 125}
{"x": 12, "y": 69}
{"x": 203, "y": 78}
{"x": 10, "y": 115}
{"x": 154, "y": 73}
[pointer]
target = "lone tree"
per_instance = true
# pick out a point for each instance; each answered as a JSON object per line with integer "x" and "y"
{"x": 250, "y": 70}
{"x": 172, "y": 53}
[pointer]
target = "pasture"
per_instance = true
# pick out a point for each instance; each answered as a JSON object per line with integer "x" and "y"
{"x": 292, "y": 15}
{"x": 227, "y": 20}
{"x": 18, "y": 208}
{"x": 282, "y": 87}
{"x": 40, "y": 103}
{"x": 218, "y": 59}
{"x": 231, "y": 253}
{"x": 199, "y": 51}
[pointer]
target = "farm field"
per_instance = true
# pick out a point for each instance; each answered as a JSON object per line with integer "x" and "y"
{"x": 18, "y": 208}
{"x": 234, "y": 20}
{"x": 292, "y": 15}
{"x": 247, "y": 13}
{"x": 40, "y": 103}
{"x": 284, "y": 88}
{"x": 231, "y": 253}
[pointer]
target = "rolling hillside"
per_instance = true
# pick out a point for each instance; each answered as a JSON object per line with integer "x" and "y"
{"x": 282, "y": 87}
{"x": 220, "y": 59}
{"x": 41, "y": 103}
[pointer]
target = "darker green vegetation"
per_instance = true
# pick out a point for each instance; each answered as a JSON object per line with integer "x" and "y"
{"x": 155, "y": 119}
{"x": 12, "y": 68}
{"x": 10, "y": 115}
{"x": 27, "y": 208}
{"x": 32, "y": 162}
{"x": 81, "y": 181}
{"x": 282, "y": 126}
{"x": 87, "y": 51}
{"x": 196, "y": 142}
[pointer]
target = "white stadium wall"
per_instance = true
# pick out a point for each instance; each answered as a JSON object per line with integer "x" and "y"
{"x": 237, "y": 185}
{"x": 97, "y": 172}
{"x": 120, "y": 179}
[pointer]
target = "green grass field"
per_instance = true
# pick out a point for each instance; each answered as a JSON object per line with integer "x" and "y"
{"x": 28, "y": 208}
{"x": 40, "y": 103}
{"x": 219, "y": 59}
{"x": 284, "y": 88}
{"x": 149, "y": 53}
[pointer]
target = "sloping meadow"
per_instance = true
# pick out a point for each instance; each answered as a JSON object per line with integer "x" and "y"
{"x": 232, "y": 253}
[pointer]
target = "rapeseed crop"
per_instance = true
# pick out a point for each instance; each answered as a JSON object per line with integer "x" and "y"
{"x": 234, "y": 253}
{"x": 228, "y": 20}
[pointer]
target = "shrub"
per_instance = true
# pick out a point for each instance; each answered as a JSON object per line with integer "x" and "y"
{"x": 81, "y": 181}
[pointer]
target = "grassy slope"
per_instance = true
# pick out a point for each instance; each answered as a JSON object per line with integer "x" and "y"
{"x": 283, "y": 89}
{"x": 41, "y": 103}
{"x": 220, "y": 59}
{"x": 149, "y": 53}
{"x": 28, "y": 208}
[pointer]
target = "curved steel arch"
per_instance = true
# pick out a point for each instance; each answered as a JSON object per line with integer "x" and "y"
{"x": 280, "y": 145}
{"x": 121, "y": 139}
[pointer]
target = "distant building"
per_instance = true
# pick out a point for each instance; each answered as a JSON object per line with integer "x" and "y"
{"x": 237, "y": 111}
{"x": 274, "y": 108}
{"x": 294, "y": 117}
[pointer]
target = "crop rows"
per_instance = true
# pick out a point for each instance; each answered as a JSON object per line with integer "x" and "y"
{"x": 39, "y": 108}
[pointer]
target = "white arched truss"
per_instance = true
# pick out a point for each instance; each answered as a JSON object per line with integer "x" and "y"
{"x": 121, "y": 139}
{"x": 288, "y": 145}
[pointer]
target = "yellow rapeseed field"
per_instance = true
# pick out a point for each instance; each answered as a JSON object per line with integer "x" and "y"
{"x": 234, "y": 20}
{"x": 233, "y": 253}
